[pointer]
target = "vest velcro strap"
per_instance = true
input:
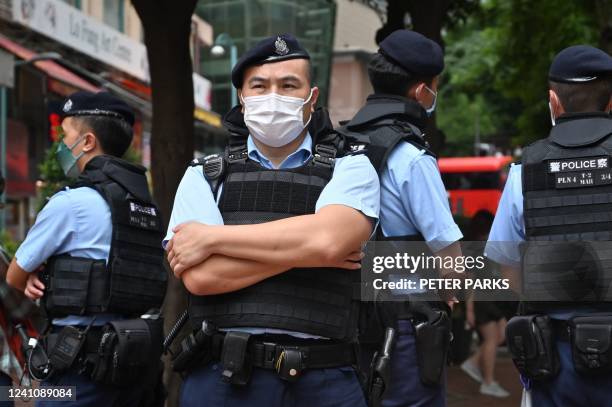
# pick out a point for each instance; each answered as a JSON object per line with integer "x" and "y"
{"x": 324, "y": 156}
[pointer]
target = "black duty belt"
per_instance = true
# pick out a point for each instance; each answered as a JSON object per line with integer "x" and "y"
{"x": 265, "y": 352}
{"x": 561, "y": 330}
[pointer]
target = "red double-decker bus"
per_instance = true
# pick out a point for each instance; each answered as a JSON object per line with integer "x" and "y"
{"x": 474, "y": 184}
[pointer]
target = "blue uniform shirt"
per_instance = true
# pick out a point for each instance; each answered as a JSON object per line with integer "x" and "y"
{"x": 413, "y": 199}
{"x": 354, "y": 183}
{"x": 76, "y": 222}
{"x": 508, "y": 231}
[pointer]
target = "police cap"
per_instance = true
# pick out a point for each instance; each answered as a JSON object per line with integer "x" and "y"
{"x": 272, "y": 49}
{"x": 580, "y": 63}
{"x": 97, "y": 104}
{"x": 414, "y": 52}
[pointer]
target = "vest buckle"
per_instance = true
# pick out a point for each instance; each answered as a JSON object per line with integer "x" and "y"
{"x": 324, "y": 156}
{"x": 238, "y": 155}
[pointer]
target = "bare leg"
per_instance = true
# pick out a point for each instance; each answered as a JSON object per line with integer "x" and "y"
{"x": 488, "y": 349}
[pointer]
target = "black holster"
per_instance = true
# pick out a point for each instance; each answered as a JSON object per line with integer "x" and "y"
{"x": 432, "y": 345}
{"x": 196, "y": 349}
{"x": 379, "y": 377}
{"x": 591, "y": 339}
{"x": 532, "y": 346}
{"x": 128, "y": 351}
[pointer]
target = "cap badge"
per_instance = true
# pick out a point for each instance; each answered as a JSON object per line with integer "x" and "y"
{"x": 281, "y": 46}
{"x": 67, "y": 106}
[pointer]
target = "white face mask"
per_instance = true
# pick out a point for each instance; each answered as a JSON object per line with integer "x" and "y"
{"x": 273, "y": 119}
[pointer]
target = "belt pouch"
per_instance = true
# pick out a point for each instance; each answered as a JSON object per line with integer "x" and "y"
{"x": 591, "y": 338}
{"x": 532, "y": 346}
{"x": 234, "y": 359}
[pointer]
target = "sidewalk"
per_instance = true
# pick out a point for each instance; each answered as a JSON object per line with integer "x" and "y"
{"x": 463, "y": 391}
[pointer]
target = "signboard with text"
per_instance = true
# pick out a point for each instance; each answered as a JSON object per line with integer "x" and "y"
{"x": 70, "y": 26}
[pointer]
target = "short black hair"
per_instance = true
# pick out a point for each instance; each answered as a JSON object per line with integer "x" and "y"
{"x": 592, "y": 96}
{"x": 390, "y": 78}
{"x": 114, "y": 134}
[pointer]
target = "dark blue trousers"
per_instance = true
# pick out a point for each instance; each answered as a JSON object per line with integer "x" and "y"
{"x": 406, "y": 388}
{"x": 338, "y": 387}
{"x": 91, "y": 394}
{"x": 569, "y": 389}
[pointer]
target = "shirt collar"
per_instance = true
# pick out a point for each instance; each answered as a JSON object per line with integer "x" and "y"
{"x": 295, "y": 159}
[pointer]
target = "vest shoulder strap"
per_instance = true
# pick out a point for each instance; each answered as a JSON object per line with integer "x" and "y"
{"x": 380, "y": 139}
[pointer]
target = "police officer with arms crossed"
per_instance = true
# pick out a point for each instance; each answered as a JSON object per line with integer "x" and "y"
{"x": 562, "y": 346}
{"x": 414, "y": 206}
{"x": 274, "y": 289}
{"x": 100, "y": 241}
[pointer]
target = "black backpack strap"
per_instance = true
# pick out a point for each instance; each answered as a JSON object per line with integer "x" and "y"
{"x": 214, "y": 167}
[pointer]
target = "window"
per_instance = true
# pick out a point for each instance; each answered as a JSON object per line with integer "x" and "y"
{"x": 74, "y": 3}
{"x": 113, "y": 13}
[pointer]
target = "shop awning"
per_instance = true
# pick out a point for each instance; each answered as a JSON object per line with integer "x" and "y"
{"x": 53, "y": 69}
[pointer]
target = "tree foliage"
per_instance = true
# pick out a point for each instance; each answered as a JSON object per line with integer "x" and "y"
{"x": 497, "y": 65}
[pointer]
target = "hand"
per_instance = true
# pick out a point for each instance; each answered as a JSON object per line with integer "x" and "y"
{"x": 34, "y": 287}
{"x": 190, "y": 245}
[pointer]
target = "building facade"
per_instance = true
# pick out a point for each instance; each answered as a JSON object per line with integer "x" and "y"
{"x": 81, "y": 45}
{"x": 356, "y": 26}
{"x": 249, "y": 21}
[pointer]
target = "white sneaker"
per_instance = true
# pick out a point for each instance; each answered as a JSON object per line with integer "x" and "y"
{"x": 472, "y": 370}
{"x": 493, "y": 389}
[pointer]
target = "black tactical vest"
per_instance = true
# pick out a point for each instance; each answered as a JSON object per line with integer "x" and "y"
{"x": 316, "y": 301}
{"x": 134, "y": 279}
{"x": 567, "y": 204}
{"x": 379, "y": 126}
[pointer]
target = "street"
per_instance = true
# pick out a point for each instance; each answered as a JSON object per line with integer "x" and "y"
{"x": 463, "y": 391}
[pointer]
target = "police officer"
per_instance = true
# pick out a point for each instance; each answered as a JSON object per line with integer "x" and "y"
{"x": 556, "y": 200}
{"x": 273, "y": 301}
{"x": 100, "y": 241}
{"x": 414, "y": 206}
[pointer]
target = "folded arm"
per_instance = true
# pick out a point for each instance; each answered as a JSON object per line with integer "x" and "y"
{"x": 315, "y": 240}
{"x": 221, "y": 274}
{"x": 326, "y": 238}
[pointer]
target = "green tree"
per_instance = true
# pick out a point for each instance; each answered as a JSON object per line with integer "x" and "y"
{"x": 497, "y": 63}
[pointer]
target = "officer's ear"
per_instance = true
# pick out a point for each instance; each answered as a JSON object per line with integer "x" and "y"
{"x": 556, "y": 107}
{"x": 420, "y": 93}
{"x": 314, "y": 98}
{"x": 90, "y": 142}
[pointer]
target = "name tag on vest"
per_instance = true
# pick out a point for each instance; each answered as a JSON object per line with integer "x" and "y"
{"x": 144, "y": 217}
{"x": 581, "y": 172}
